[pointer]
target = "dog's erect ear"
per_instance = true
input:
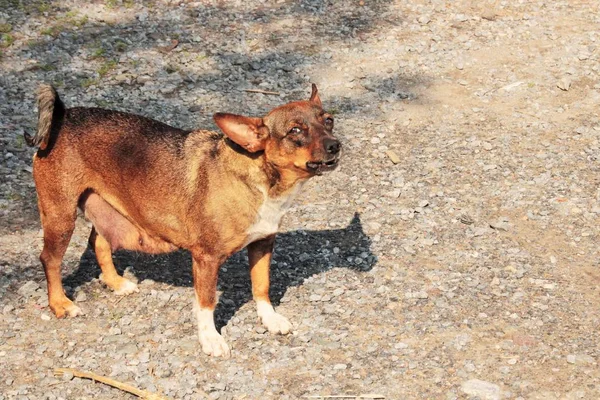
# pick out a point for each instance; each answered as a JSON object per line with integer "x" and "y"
{"x": 248, "y": 132}
{"x": 314, "y": 96}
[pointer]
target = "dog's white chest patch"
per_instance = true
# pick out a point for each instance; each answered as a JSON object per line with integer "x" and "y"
{"x": 269, "y": 215}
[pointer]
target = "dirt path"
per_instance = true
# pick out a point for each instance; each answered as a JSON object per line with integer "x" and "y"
{"x": 469, "y": 269}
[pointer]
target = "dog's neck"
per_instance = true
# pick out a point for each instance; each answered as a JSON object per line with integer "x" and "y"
{"x": 255, "y": 167}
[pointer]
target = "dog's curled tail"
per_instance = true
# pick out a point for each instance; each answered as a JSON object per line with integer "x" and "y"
{"x": 50, "y": 110}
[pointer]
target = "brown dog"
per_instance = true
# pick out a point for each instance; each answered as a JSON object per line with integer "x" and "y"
{"x": 153, "y": 188}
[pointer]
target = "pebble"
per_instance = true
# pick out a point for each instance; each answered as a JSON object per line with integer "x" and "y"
{"x": 580, "y": 359}
{"x": 416, "y": 295}
{"x": 260, "y": 329}
{"x": 482, "y": 389}
{"x": 424, "y": 19}
{"x": 28, "y": 289}
{"x": 81, "y": 297}
{"x": 314, "y": 297}
{"x": 564, "y": 84}
{"x": 393, "y": 156}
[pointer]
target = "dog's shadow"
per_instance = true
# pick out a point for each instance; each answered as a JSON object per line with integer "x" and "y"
{"x": 298, "y": 255}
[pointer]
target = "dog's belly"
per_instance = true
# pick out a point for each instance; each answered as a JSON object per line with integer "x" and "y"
{"x": 118, "y": 230}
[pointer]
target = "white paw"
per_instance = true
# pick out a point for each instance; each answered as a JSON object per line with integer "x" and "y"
{"x": 213, "y": 344}
{"x": 121, "y": 286}
{"x": 277, "y": 323}
{"x": 74, "y": 311}
{"x": 274, "y": 322}
{"x": 127, "y": 287}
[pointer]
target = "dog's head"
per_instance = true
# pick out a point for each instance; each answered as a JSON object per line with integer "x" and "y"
{"x": 297, "y": 136}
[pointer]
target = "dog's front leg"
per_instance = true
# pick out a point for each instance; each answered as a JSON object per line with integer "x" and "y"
{"x": 205, "y": 270}
{"x": 259, "y": 255}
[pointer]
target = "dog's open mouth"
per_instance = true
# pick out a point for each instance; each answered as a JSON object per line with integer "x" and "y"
{"x": 319, "y": 167}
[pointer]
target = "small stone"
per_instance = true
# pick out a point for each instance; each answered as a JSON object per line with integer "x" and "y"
{"x": 28, "y": 289}
{"x": 393, "y": 156}
{"x": 482, "y": 389}
{"x": 260, "y": 329}
{"x": 338, "y": 292}
{"x": 394, "y": 194}
{"x": 553, "y": 260}
{"x": 480, "y": 231}
{"x": 416, "y": 295}
{"x": 580, "y": 359}
{"x": 143, "y": 79}
{"x": 583, "y": 56}
{"x": 564, "y": 84}
{"x": 340, "y": 366}
{"x": 81, "y": 297}
{"x": 167, "y": 89}
{"x": 45, "y": 317}
{"x": 401, "y": 346}
{"x": 314, "y": 297}
{"x": 409, "y": 249}
{"x": 424, "y": 19}
{"x": 114, "y": 331}
{"x": 164, "y": 296}
{"x": 489, "y": 15}
{"x": 466, "y": 219}
{"x": 123, "y": 78}
{"x": 499, "y": 225}
{"x": 144, "y": 357}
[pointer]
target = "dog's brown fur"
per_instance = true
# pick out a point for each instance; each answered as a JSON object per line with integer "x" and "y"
{"x": 149, "y": 187}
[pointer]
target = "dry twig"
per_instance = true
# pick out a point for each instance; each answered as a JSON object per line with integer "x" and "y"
{"x": 110, "y": 382}
{"x": 348, "y": 396}
{"x": 262, "y": 91}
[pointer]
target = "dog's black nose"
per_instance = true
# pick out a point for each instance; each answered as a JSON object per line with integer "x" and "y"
{"x": 332, "y": 146}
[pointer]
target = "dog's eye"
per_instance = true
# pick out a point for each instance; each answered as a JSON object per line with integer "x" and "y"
{"x": 295, "y": 131}
{"x": 329, "y": 121}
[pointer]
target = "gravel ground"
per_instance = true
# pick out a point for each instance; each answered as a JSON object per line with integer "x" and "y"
{"x": 454, "y": 254}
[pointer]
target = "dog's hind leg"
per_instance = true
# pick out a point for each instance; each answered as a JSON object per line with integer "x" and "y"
{"x": 58, "y": 214}
{"x": 109, "y": 275}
